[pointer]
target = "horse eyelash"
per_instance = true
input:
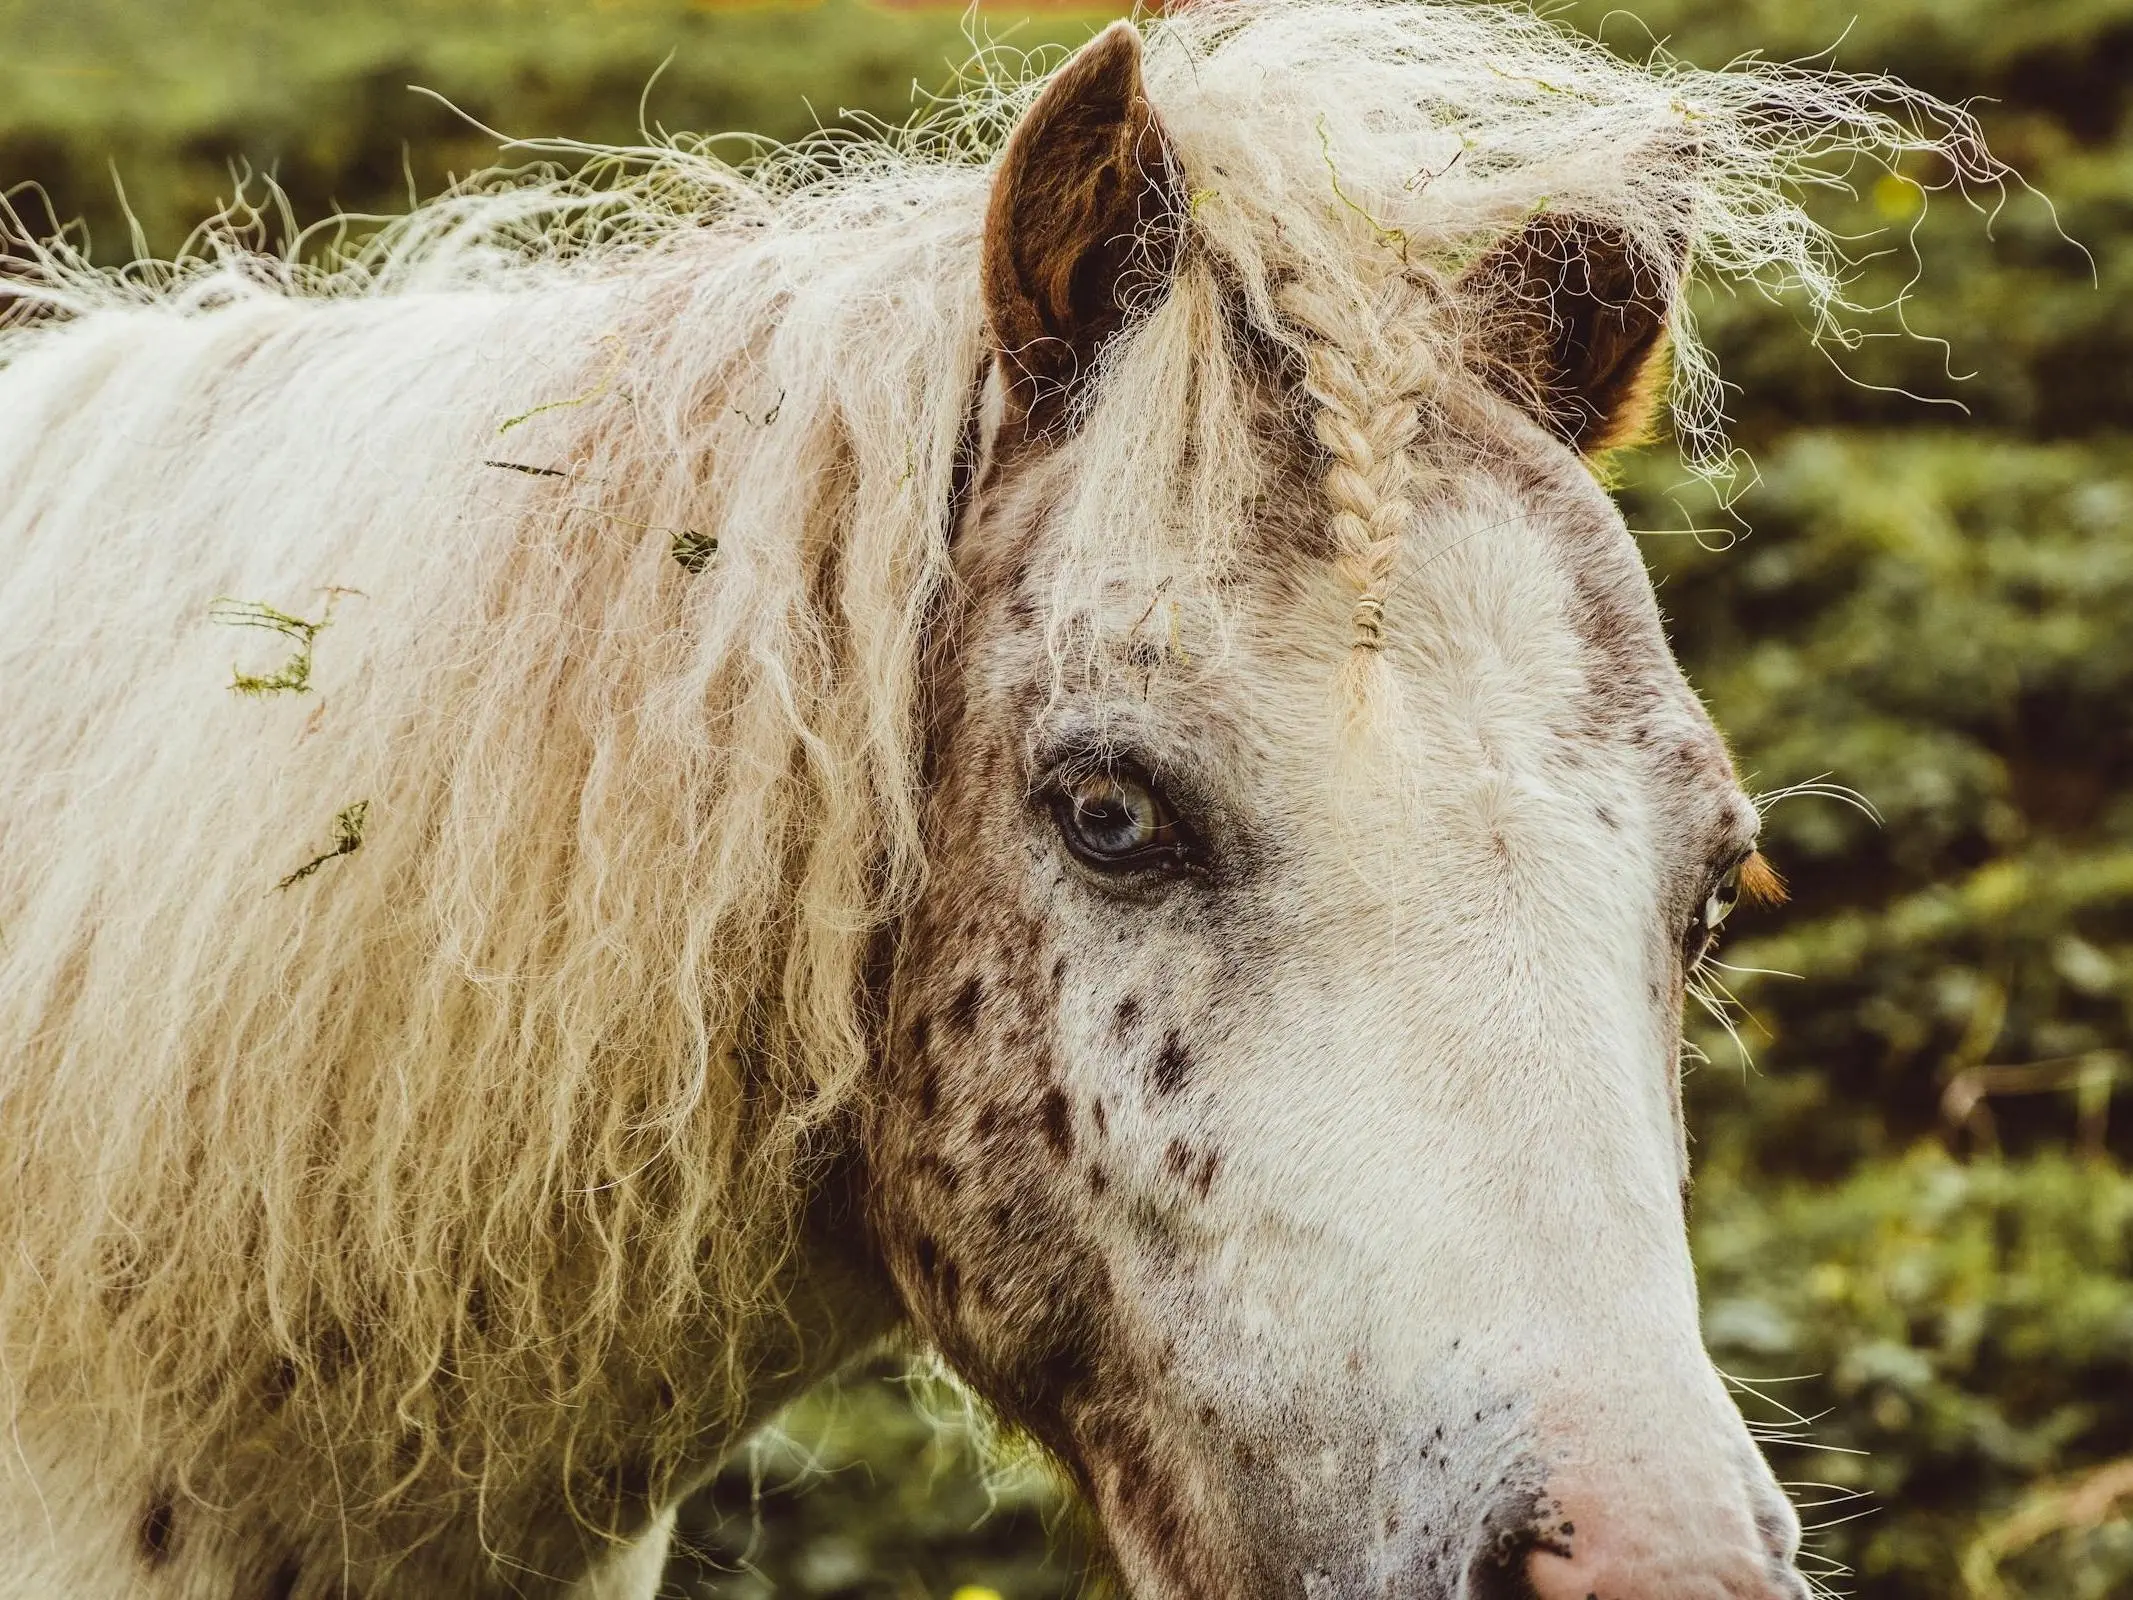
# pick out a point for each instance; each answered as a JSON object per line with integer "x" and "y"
{"x": 1760, "y": 883}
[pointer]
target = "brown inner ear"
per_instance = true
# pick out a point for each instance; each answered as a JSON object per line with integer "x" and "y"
{"x": 1574, "y": 327}
{"x": 1086, "y": 217}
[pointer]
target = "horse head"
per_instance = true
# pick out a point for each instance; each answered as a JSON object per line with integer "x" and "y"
{"x": 1281, "y": 1116}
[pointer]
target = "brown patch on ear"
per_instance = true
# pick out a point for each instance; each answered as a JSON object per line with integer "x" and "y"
{"x": 1574, "y": 327}
{"x": 1760, "y": 884}
{"x": 1086, "y": 217}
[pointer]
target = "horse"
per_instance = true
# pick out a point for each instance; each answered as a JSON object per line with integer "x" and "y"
{"x": 1032, "y": 735}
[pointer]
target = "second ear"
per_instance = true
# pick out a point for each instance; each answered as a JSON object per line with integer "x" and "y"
{"x": 1574, "y": 326}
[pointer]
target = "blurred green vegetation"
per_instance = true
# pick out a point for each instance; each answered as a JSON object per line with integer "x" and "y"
{"x": 883, "y": 1484}
{"x": 167, "y": 96}
{"x": 1913, "y": 1216}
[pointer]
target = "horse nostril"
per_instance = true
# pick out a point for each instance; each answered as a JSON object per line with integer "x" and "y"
{"x": 1490, "y": 1577}
{"x": 1500, "y": 1566}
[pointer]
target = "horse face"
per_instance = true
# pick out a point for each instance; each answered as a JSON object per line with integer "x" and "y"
{"x": 1281, "y": 1117}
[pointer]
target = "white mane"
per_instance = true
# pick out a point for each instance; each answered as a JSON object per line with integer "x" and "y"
{"x": 514, "y": 1092}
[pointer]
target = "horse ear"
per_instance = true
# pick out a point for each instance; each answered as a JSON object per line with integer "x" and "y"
{"x": 1573, "y": 326}
{"x": 1085, "y": 220}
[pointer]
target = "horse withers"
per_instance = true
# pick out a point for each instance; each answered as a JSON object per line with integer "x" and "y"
{"x": 1065, "y": 758}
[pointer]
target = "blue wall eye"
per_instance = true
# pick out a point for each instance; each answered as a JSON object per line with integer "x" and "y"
{"x": 1118, "y": 820}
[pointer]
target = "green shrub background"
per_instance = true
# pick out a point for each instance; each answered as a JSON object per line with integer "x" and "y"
{"x": 1927, "y": 596}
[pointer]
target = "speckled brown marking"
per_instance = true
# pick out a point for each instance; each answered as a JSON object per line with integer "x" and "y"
{"x": 1127, "y": 1014}
{"x": 1058, "y": 1117}
{"x": 963, "y": 1009}
{"x": 1144, "y": 1494}
{"x": 1173, "y": 1065}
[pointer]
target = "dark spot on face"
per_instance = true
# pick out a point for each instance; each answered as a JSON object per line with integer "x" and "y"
{"x": 1177, "y": 1156}
{"x": 158, "y": 1530}
{"x": 1058, "y": 1120}
{"x": 1058, "y": 973}
{"x": 963, "y": 1009}
{"x": 929, "y": 1092}
{"x": 1096, "y": 1115}
{"x": 1204, "y": 1179}
{"x": 1127, "y": 1014}
{"x": 1098, "y": 1182}
{"x": 951, "y": 1285}
{"x": 928, "y": 1254}
{"x": 988, "y": 1122}
{"x": 921, "y": 1035}
{"x": 1172, "y": 1065}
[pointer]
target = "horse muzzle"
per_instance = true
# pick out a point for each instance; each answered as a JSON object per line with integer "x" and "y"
{"x": 1500, "y": 1509}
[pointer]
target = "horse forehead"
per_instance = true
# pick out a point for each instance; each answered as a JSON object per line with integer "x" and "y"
{"x": 1515, "y": 577}
{"x": 1518, "y": 575}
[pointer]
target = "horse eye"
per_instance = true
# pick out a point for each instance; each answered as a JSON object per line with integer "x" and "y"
{"x": 1118, "y": 821}
{"x": 1718, "y": 904}
{"x": 1724, "y": 896}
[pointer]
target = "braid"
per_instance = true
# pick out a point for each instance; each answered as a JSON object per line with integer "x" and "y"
{"x": 1365, "y": 368}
